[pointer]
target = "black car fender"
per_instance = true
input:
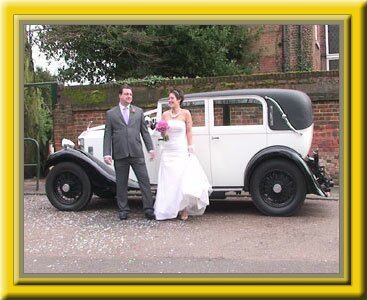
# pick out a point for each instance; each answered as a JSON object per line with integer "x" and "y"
{"x": 274, "y": 152}
{"x": 100, "y": 175}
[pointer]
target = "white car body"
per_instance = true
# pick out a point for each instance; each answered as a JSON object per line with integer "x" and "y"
{"x": 252, "y": 140}
{"x": 223, "y": 151}
{"x": 91, "y": 140}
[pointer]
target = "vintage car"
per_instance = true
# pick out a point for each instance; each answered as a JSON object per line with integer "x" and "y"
{"x": 247, "y": 140}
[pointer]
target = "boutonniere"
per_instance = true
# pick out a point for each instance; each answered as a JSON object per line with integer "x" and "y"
{"x": 132, "y": 109}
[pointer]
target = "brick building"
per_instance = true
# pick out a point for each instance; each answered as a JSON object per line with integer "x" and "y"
{"x": 290, "y": 48}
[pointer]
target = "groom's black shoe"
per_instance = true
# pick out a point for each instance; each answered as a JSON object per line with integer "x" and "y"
{"x": 150, "y": 215}
{"x": 123, "y": 215}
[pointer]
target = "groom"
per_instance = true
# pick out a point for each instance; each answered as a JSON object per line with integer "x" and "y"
{"x": 124, "y": 125}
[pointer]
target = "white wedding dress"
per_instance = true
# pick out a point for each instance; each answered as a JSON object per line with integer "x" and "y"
{"x": 182, "y": 182}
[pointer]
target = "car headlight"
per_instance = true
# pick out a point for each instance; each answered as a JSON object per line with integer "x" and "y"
{"x": 81, "y": 143}
{"x": 67, "y": 143}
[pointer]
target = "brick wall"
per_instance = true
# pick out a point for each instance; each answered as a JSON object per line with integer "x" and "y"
{"x": 77, "y": 105}
{"x": 326, "y": 134}
{"x": 270, "y": 47}
{"x": 81, "y": 120}
{"x": 285, "y": 48}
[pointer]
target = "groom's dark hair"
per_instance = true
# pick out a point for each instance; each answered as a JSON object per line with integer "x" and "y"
{"x": 178, "y": 93}
{"x": 125, "y": 86}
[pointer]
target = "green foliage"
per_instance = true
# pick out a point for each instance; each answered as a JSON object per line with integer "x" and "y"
{"x": 41, "y": 75}
{"x": 105, "y": 53}
{"x": 204, "y": 50}
{"x": 37, "y": 116}
{"x": 97, "y": 53}
{"x": 87, "y": 97}
{"x": 149, "y": 81}
{"x": 37, "y": 108}
{"x": 304, "y": 66}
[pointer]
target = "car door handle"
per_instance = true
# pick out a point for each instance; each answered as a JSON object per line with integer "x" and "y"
{"x": 215, "y": 137}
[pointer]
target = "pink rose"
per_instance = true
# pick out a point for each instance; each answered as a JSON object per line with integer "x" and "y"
{"x": 162, "y": 127}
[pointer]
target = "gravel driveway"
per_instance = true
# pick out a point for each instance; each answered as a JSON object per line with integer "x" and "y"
{"x": 232, "y": 237}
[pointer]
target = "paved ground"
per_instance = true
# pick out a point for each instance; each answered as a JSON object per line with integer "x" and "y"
{"x": 232, "y": 237}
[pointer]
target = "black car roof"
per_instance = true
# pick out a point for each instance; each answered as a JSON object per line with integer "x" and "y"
{"x": 273, "y": 93}
{"x": 278, "y": 93}
{"x": 295, "y": 104}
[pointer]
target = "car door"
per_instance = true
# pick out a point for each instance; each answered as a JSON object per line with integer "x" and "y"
{"x": 200, "y": 132}
{"x": 236, "y": 132}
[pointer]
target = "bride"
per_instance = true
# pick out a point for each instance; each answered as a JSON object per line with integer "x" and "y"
{"x": 183, "y": 188}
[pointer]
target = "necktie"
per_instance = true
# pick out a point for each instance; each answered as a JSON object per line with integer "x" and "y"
{"x": 125, "y": 114}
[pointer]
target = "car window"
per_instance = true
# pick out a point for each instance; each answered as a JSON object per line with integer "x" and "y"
{"x": 165, "y": 107}
{"x": 237, "y": 112}
{"x": 197, "y": 110}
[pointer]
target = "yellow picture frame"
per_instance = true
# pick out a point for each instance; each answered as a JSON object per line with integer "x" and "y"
{"x": 350, "y": 13}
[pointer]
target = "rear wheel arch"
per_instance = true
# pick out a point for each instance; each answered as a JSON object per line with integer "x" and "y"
{"x": 277, "y": 152}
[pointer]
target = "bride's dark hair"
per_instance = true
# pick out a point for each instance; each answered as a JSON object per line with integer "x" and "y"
{"x": 178, "y": 93}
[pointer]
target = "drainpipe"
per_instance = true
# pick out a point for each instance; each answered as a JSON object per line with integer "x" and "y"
{"x": 300, "y": 56}
{"x": 284, "y": 49}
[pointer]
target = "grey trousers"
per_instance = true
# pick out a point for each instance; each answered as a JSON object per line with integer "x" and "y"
{"x": 122, "y": 168}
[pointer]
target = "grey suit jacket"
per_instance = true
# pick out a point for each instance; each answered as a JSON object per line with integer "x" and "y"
{"x": 122, "y": 140}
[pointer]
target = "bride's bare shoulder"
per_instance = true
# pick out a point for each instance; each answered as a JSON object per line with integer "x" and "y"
{"x": 186, "y": 112}
{"x": 165, "y": 114}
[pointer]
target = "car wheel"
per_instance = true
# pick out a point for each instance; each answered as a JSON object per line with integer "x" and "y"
{"x": 68, "y": 187}
{"x": 278, "y": 188}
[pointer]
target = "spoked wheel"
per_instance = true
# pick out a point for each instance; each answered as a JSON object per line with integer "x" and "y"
{"x": 278, "y": 188}
{"x": 68, "y": 187}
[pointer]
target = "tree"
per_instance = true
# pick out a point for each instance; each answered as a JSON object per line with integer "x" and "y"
{"x": 37, "y": 110}
{"x": 96, "y": 53}
{"x": 40, "y": 76}
{"x": 104, "y": 53}
{"x": 206, "y": 50}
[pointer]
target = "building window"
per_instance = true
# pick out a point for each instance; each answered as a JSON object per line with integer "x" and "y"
{"x": 332, "y": 47}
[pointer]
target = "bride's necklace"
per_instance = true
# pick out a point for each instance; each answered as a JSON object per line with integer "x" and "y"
{"x": 174, "y": 115}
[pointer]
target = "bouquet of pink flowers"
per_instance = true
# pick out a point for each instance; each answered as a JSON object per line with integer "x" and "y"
{"x": 162, "y": 127}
